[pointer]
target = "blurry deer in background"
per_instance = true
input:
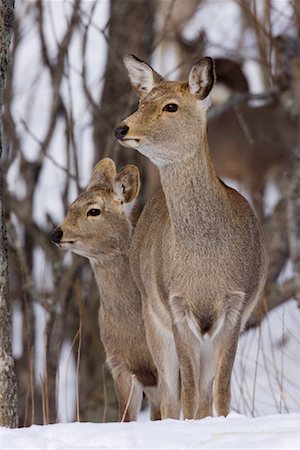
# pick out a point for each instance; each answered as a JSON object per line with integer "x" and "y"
{"x": 198, "y": 252}
{"x": 172, "y": 18}
{"x": 98, "y": 227}
{"x": 251, "y": 145}
{"x": 230, "y": 76}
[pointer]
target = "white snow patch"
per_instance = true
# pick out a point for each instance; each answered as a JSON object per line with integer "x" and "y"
{"x": 234, "y": 432}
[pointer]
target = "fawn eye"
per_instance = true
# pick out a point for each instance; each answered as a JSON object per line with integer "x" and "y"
{"x": 94, "y": 212}
{"x": 170, "y": 107}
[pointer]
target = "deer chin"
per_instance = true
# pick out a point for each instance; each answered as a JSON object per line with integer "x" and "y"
{"x": 66, "y": 245}
{"x": 76, "y": 247}
{"x": 130, "y": 142}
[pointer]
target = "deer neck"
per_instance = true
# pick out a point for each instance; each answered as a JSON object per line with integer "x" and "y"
{"x": 115, "y": 283}
{"x": 192, "y": 190}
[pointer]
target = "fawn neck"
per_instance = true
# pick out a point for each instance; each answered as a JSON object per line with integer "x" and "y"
{"x": 193, "y": 192}
{"x": 114, "y": 282}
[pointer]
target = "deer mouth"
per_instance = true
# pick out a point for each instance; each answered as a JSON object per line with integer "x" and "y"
{"x": 129, "y": 142}
{"x": 66, "y": 244}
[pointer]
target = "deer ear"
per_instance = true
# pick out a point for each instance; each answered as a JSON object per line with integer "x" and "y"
{"x": 128, "y": 183}
{"x": 103, "y": 174}
{"x": 143, "y": 78}
{"x": 202, "y": 78}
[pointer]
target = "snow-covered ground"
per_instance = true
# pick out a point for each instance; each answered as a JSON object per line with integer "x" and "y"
{"x": 266, "y": 380}
{"x": 234, "y": 432}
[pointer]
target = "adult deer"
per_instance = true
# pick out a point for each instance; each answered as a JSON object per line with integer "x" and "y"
{"x": 97, "y": 226}
{"x": 253, "y": 145}
{"x": 198, "y": 254}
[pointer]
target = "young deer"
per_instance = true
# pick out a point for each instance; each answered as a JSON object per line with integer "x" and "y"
{"x": 97, "y": 227}
{"x": 198, "y": 254}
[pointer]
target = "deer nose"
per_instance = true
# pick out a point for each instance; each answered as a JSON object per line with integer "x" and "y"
{"x": 57, "y": 235}
{"x": 120, "y": 132}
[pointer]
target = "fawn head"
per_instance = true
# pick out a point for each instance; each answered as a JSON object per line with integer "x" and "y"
{"x": 97, "y": 223}
{"x": 171, "y": 117}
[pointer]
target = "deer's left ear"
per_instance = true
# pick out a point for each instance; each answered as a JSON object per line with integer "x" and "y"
{"x": 201, "y": 78}
{"x": 103, "y": 174}
{"x": 127, "y": 183}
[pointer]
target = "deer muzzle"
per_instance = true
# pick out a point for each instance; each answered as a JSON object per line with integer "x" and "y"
{"x": 121, "y": 132}
{"x": 57, "y": 235}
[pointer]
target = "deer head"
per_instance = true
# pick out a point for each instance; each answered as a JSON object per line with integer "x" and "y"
{"x": 169, "y": 112}
{"x": 97, "y": 224}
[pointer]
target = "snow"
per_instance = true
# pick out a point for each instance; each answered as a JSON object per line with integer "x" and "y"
{"x": 234, "y": 432}
{"x": 266, "y": 379}
{"x": 266, "y": 373}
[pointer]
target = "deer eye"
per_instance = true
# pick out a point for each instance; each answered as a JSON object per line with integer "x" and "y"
{"x": 170, "y": 107}
{"x": 94, "y": 212}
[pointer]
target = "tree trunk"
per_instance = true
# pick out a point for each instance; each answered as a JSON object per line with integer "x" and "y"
{"x": 293, "y": 210}
{"x": 131, "y": 30}
{"x": 8, "y": 387}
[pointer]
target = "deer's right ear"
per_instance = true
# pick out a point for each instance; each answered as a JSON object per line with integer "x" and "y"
{"x": 128, "y": 183}
{"x": 143, "y": 78}
{"x": 103, "y": 174}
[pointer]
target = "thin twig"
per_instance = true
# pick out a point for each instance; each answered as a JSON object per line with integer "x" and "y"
{"x": 129, "y": 397}
{"x": 104, "y": 394}
{"x": 79, "y": 298}
{"x": 281, "y": 362}
{"x": 256, "y": 370}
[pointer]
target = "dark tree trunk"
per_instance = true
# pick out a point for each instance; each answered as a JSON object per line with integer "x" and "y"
{"x": 293, "y": 209}
{"x": 8, "y": 386}
{"x": 131, "y": 30}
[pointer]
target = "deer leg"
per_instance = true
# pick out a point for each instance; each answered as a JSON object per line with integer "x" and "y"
{"x": 257, "y": 190}
{"x": 129, "y": 393}
{"x": 189, "y": 357}
{"x": 207, "y": 371}
{"x": 227, "y": 345}
{"x": 162, "y": 347}
{"x": 154, "y": 399}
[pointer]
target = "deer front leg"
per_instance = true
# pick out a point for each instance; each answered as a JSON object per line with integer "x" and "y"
{"x": 162, "y": 347}
{"x": 189, "y": 357}
{"x": 227, "y": 345}
{"x": 154, "y": 396}
{"x": 128, "y": 390}
{"x": 207, "y": 373}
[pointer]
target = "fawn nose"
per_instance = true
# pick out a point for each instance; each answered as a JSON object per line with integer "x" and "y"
{"x": 57, "y": 235}
{"x": 120, "y": 132}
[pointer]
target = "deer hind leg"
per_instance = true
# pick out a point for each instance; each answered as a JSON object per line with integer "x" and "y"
{"x": 128, "y": 389}
{"x": 257, "y": 191}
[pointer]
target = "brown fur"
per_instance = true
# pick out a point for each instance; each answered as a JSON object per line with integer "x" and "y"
{"x": 198, "y": 254}
{"x": 105, "y": 241}
{"x": 253, "y": 146}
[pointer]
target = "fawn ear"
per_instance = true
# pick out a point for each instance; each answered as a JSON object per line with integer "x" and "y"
{"x": 128, "y": 183}
{"x": 143, "y": 78}
{"x": 201, "y": 78}
{"x": 103, "y": 174}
